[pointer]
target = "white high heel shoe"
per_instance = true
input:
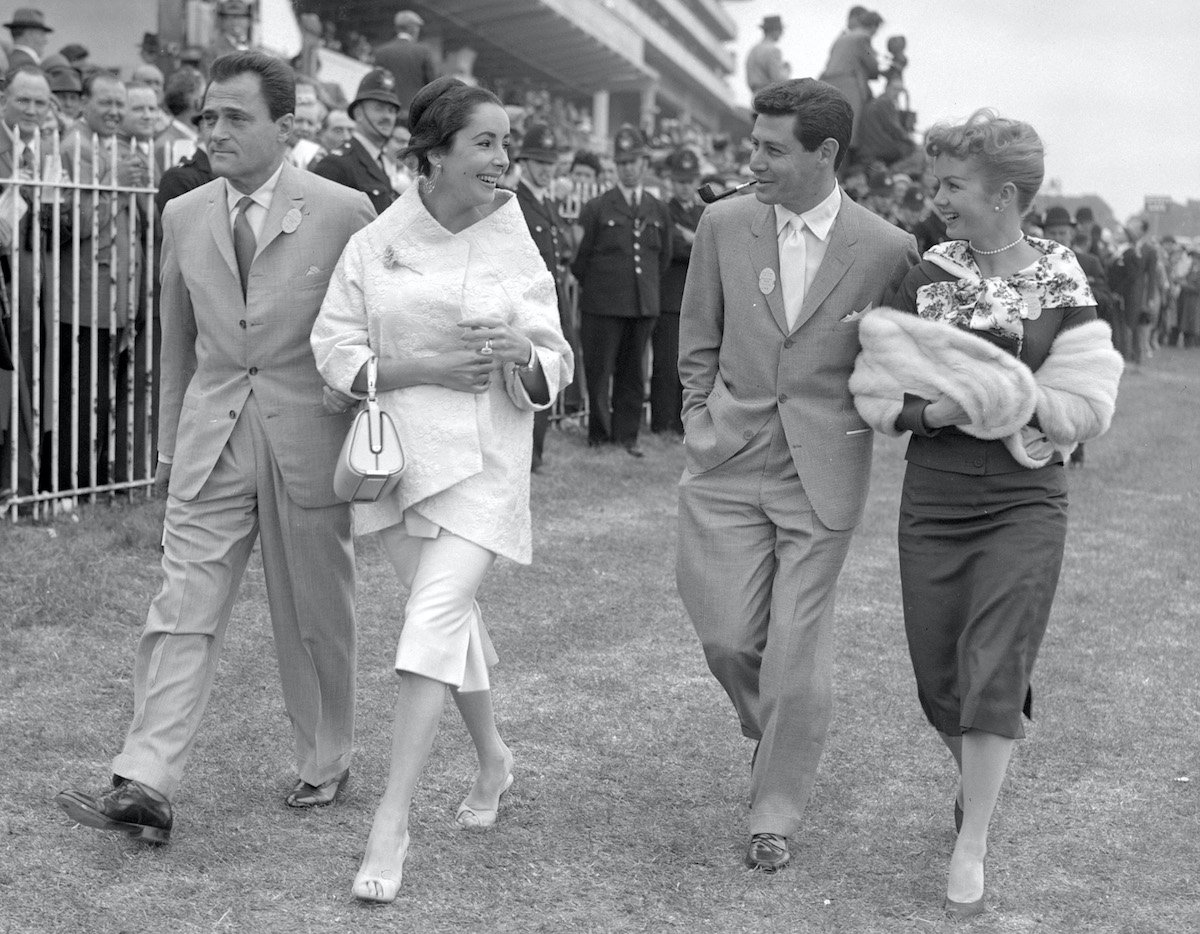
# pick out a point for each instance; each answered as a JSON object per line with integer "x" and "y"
{"x": 469, "y": 818}
{"x": 382, "y": 887}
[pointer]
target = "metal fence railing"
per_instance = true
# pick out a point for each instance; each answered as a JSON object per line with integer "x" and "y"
{"x": 79, "y": 329}
{"x": 77, "y": 300}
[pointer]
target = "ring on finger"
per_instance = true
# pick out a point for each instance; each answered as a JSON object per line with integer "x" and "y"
{"x": 486, "y": 349}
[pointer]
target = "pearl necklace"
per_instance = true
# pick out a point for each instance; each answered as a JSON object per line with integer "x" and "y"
{"x": 975, "y": 249}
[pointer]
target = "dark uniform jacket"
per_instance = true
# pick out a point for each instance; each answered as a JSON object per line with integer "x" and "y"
{"x": 351, "y": 165}
{"x": 411, "y": 63}
{"x": 681, "y": 254}
{"x": 180, "y": 179}
{"x": 623, "y": 256}
{"x": 548, "y": 229}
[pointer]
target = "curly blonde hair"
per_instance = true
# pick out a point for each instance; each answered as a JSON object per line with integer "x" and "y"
{"x": 1006, "y": 150}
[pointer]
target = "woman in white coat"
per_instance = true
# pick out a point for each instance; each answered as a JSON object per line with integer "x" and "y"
{"x": 447, "y": 290}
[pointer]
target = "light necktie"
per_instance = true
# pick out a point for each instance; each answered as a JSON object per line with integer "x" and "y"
{"x": 793, "y": 260}
{"x": 243, "y": 241}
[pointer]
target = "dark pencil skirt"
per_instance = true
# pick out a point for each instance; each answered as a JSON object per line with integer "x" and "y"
{"x": 979, "y": 563}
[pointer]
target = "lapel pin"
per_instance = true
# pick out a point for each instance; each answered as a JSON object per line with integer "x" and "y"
{"x": 291, "y": 220}
{"x": 766, "y": 281}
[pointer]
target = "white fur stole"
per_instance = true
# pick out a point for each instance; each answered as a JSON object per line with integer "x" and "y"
{"x": 1074, "y": 391}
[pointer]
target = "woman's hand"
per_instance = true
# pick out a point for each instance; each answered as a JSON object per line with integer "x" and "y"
{"x": 492, "y": 338}
{"x": 464, "y": 370}
{"x": 944, "y": 411}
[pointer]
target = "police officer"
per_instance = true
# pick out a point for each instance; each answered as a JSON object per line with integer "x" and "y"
{"x": 623, "y": 254}
{"x": 666, "y": 390}
{"x": 362, "y": 162}
{"x": 538, "y": 159}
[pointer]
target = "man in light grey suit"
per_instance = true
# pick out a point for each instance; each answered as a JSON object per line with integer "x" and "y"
{"x": 246, "y": 451}
{"x": 777, "y": 457}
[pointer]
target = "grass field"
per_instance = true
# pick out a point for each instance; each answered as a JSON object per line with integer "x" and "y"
{"x": 628, "y": 811}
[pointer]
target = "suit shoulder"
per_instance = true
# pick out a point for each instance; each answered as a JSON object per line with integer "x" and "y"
{"x": 335, "y": 194}
{"x": 193, "y": 199}
{"x": 877, "y": 226}
{"x": 733, "y": 210}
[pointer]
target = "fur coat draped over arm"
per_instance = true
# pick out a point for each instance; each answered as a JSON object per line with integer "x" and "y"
{"x": 1072, "y": 395}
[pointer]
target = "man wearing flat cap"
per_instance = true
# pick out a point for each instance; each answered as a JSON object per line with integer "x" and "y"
{"x": 411, "y": 63}
{"x": 764, "y": 62}
{"x": 623, "y": 254}
{"x": 363, "y": 162}
{"x": 30, "y": 35}
{"x": 666, "y": 390}
{"x": 538, "y": 158}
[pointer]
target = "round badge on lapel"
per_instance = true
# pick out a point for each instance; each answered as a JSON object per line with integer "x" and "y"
{"x": 766, "y": 281}
{"x": 291, "y": 220}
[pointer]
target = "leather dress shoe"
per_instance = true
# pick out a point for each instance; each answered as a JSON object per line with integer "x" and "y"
{"x": 130, "y": 808}
{"x": 305, "y": 795}
{"x": 634, "y": 451}
{"x": 768, "y": 852}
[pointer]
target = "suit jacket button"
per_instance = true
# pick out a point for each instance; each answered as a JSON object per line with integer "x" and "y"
{"x": 232, "y": 413}
{"x": 979, "y": 462}
{"x": 747, "y": 434}
{"x": 638, "y": 270}
{"x": 782, "y": 398}
{"x": 242, "y": 324}
{"x": 788, "y": 343}
{"x": 253, "y": 371}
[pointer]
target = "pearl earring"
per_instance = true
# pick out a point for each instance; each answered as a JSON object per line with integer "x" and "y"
{"x": 997, "y": 208}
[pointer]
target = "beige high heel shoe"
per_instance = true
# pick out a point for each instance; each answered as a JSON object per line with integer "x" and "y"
{"x": 469, "y": 818}
{"x": 382, "y": 887}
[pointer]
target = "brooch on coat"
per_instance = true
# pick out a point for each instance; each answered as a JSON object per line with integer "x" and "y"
{"x": 392, "y": 260}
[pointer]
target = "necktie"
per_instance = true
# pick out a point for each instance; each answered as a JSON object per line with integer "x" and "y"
{"x": 793, "y": 259}
{"x": 243, "y": 241}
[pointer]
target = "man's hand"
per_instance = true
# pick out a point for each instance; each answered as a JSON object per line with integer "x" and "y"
{"x": 162, "y": 479}
{"x": 336, "y": 401}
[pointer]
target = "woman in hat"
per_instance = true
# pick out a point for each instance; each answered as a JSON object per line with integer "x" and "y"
{"x": 997, "y": 365}
{"x": 446, "y": 290}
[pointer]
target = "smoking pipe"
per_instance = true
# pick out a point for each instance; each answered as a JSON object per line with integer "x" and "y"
{"x": 708, "y": 196}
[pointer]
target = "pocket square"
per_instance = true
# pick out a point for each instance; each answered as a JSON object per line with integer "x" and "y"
{"x": 855, "y": 315}
{"x": 313, "y": 271}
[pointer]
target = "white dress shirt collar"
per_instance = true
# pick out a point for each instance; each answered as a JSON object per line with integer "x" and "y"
{"x": 256, "y": 214}
{"x": 633, "y": 196}
{"x": 538, "y": 193}
{"x": 818, "y": 219}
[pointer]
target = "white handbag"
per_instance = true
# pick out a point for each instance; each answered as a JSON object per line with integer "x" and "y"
{"x": 372, "y": 460}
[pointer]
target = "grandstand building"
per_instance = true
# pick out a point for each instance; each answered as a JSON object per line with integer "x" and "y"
{"x": 623, "y": 61}
{"x": 627, "y": 61}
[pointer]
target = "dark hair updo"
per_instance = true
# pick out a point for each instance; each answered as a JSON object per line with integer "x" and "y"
{"x": 437, "y": 112}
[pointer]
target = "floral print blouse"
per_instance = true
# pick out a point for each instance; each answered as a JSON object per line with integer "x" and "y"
{"x": 1001, "y": 304}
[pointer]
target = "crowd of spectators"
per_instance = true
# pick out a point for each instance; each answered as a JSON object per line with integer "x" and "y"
{"x": 1148, "y": 289}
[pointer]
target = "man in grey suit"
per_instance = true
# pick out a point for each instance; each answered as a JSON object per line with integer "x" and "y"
{"x": 777, "y": 457}
{"x": 246, "y": 451}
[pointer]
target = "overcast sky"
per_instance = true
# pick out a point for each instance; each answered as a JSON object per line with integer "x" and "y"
{"x": 1112, "y": 86}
